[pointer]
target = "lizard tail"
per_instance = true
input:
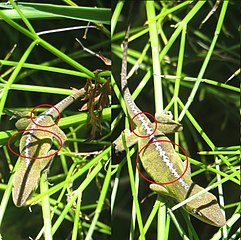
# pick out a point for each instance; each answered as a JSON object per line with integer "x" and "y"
{"x": 130, "y": 104}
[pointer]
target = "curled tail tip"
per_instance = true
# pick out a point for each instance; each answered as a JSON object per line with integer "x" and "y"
{"x": 80, "y": 91}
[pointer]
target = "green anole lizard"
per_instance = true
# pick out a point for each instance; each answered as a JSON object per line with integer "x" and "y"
{"x": 36, "y": 143}
{"x": 160, "y": 160}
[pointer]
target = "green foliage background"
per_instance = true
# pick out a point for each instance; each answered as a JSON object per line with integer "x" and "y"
{"x": 204, "y": 58}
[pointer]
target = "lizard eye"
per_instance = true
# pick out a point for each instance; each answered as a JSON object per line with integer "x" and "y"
{"x": 195, "y": 212}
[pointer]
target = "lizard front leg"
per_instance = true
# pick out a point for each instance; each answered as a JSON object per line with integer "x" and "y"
{"x": 23, "y": 119}
{"x": 131, "y": 139}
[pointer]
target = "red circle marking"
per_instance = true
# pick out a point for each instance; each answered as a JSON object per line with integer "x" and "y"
{"x": 32, "y": 158}
{"x": 148, "y": 180}
{"x": 45, "y": 105}
{"x": 145, "y": 113}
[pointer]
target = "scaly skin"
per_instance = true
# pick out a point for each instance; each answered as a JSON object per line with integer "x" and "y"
{"x": 36, "y": 143}
{"x": 160, "y": 160}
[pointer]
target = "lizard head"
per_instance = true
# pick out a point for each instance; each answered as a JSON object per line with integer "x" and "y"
{"x": 205, "y": 208}
{"x": 166, "y": 123}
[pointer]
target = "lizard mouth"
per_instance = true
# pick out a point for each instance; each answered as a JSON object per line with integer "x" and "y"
{"x": 207, "y": 212}
{"x": 219, "y": 220}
